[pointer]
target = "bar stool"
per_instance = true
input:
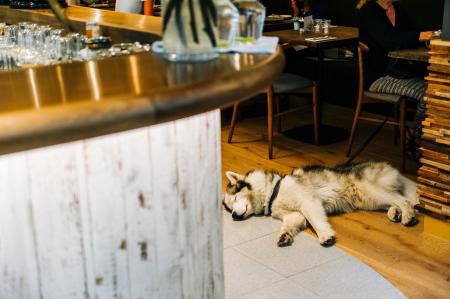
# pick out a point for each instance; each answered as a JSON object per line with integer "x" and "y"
{"x": 284, "y": 85}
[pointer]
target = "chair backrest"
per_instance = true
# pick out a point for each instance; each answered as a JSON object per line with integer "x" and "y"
{"x": 362, "y": 48}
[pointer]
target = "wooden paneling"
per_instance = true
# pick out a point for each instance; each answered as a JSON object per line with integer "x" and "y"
{"x": 129, "y": 215}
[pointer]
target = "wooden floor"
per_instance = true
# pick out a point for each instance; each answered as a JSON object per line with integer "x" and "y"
{"x": 414, "y": 259}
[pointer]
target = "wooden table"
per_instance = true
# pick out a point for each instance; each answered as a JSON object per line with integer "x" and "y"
{"x": 345, "y": 37}
{"x": 419, "y": 54}
{"x": 270, "y": 25}
{"x": 110, "y": 175}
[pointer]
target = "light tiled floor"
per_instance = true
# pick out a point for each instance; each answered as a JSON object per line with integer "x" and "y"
{"x": 255, "y": 267}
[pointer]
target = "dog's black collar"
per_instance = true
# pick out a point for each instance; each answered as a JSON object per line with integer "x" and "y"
{"x": 268, "y": 206}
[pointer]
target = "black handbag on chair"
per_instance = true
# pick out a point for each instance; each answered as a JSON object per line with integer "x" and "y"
{"x": 405, "y": 69}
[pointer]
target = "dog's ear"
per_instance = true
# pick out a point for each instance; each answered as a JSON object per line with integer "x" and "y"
{"x": 233, "y": 177}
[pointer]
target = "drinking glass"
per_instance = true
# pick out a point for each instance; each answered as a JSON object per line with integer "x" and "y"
{"x": 11, "y": 34}
{"x": 75, "y": 43}
{"x": 326, "y": 26}
{"x": 2, "y": 28}
{"x": 317, "y": 25}
{"x": 251, "y": 20}
{"x": 8, "y": 58}
{"x": 227, "y": 23}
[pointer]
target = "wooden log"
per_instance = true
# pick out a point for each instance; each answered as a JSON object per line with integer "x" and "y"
{"x": 433, "y": 183}
{"x": 434, "y": 207}
{"x": 439, "y": 79}
{"x": 434, "y": 155}
{"x": 434, "y": 193}
{"x": 436, "y": 147}
{"x": 439, "y": 68}
{"x": 436, "y": 164}
{"x": 437, "y": 102}
{"x": 439, "y": 61}
{"x": 425, "y": 172}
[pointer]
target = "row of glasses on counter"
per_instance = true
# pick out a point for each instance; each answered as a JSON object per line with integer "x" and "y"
{"x": 27, "y": 44}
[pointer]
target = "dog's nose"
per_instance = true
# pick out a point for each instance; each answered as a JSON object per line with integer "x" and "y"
{"x": 235, "y": 216}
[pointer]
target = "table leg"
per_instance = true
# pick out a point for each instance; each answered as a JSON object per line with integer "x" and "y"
{"x": 320, "y": 55}
{"x": 327, "y": 134}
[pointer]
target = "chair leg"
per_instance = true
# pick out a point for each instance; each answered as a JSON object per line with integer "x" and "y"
{"x": 270, "y": 120}
{"x": 315, "y": 114}
{"x": 402, "y": 124}
{"x": 396, "y": 128}
{"x": 277, "y": 111}
{"x": 355, "y": 124}
{"x": 233, "y": 122}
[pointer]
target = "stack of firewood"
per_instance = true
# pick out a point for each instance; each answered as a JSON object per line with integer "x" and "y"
{"x": 434, "y": 173}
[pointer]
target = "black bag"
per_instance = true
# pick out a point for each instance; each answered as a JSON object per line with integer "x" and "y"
{"x": 405, "y": 69}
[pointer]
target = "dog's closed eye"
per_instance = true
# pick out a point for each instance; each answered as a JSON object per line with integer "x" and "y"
{"x": 226, "y": 207}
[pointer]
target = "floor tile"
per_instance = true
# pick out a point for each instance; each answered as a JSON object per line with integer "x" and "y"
{"x": 305, "y": 253}
{"x": 243, "y": 275}
{"x": 346, "y": 278}
{"x": 237, "y": 232}
{"x": 281, "y": 290}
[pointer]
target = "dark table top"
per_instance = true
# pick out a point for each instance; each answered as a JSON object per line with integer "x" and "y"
{"x": 343, "y": 36}
{"x": 419, "y": 54}
{"x": 278, "y": 25}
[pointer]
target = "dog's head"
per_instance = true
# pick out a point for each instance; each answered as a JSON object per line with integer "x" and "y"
{"x": 247, "y": 194}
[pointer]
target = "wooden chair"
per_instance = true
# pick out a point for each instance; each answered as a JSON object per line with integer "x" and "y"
{"x": 367, "y": 96}
{"x": 286, "y": 84}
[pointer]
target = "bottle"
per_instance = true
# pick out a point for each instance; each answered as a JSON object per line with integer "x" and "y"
{"x": 92, "y": 30}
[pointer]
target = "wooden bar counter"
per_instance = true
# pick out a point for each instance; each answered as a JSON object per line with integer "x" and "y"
{"x": 110, "y": 175}
{"x": 121, "y": 27}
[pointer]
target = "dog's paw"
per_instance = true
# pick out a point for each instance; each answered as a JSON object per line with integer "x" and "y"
{"x": 409, "y": 219}
{"x": 327, "y": 237}
{"x": 328, "y": 242}
{"x": 285, "y": 239}
{"x": 411, "y": 222}
{"x": 394, "y": 214}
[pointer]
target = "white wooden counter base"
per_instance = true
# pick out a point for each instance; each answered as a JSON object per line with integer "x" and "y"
{"x": 128, "y": 215}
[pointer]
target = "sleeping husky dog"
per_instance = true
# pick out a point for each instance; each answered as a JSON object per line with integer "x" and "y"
{"x": 310, "y": 193}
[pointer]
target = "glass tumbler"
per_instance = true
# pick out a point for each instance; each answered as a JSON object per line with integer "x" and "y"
{"x": 62, "y": 48}
{"x": 251, "y": 20}
{"x": 2, "y": 28}
{"x": 75, "y": 43}
{"x": 317, "y": 25}
{"x": 10, "y": 33}
{"x": 227, "y": 23}
{"x": 326, "y": 26}
{"x": 51, "y": 43}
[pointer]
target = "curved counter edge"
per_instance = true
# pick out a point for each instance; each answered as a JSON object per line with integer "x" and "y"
{"x": 54, "y": 125}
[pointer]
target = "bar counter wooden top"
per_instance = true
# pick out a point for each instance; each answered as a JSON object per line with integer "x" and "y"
{"x": 54, "y": 104}
{"x": 121, "y": 27}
